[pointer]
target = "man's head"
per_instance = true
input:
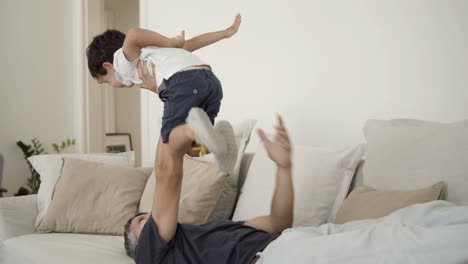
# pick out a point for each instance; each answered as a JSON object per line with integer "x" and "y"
{"x": 132, "y": 231}
{"x": 100, "y": 53}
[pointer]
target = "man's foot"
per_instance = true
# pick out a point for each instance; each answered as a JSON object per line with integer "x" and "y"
{"x": 219, "y": 140}
{"x": 235, "y": 26}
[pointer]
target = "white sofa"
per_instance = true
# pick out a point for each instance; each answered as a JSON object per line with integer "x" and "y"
{"x": 427, "y": 233}
{"x": 17, "y": 218}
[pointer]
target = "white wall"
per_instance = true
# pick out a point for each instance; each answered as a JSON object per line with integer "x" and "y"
{"x": 329, "y": 65}
{"x": 37, "y": 88}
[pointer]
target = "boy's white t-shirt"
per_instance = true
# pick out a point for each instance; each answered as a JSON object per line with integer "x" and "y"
{"x": 167, "y": 61}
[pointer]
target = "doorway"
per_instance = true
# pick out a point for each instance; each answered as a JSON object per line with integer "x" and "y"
{"x": 111, "y": 110}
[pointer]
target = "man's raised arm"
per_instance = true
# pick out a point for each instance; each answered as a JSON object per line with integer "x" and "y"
{"x": 168, "y": 173}
{"x": 282, "y": 204}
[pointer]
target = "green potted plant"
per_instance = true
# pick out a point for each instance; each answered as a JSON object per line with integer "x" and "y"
{"x": 36, "y": 148}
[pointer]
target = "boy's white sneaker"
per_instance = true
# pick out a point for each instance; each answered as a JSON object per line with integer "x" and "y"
{"x": 226, "y": 160}
{"x": 219, "y": 140}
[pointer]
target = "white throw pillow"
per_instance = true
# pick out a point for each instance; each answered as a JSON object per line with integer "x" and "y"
{"x": 321, "y": 179}
{"x": 49, "y": 167}
{"x": 406, "y": 154}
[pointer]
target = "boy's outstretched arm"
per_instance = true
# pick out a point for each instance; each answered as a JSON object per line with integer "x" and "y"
{"x": 138, "y": 38}
{"x": 212, "y": 37}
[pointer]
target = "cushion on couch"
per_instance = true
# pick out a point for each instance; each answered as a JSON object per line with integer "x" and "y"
{"x": 367, "y": 203}
{"x": 49, "y": 166}
{"x": 94, "y": 198}
{"x": 57, "y": 248}
{"x": 202, "y": 187}
{"x": 321, "y": 180}
{"x": 406, "y": 154}
{"x": 17, "y": 216}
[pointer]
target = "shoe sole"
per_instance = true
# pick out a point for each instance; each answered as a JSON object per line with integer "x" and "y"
{"x": 226, "y": 160}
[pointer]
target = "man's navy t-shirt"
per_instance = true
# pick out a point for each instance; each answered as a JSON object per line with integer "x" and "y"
{"x": 216, "y": 242}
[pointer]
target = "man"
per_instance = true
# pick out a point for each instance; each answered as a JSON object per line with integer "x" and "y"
{"x": 156, "y": 237}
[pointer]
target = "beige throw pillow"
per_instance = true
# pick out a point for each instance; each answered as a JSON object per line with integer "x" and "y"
{"x": 94, "y": 198}
{"x": 367, "y": 203}
{"x": 202, "y": 187}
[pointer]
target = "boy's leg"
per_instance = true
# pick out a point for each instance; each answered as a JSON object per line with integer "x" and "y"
{"x": 181, "y": 139}
{"x": 169, "y": 156}
{"x": 198, "y": 88}
{"x": 220, "y": 139}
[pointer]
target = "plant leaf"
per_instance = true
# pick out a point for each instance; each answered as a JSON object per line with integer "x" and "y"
{"x": 55, "y": 148}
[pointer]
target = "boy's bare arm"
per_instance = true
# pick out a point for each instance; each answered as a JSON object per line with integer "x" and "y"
{"x": 138, "y": 38}
{"x": 212, "y": 37}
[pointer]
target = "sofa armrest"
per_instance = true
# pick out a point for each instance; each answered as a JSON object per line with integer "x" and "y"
{"x": 17, "y": 216}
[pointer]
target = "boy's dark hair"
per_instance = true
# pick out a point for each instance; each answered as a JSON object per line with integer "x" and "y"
{"x": 102, "y": 49}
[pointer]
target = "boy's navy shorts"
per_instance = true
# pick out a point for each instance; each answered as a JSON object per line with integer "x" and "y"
{"x": 187, "y": 89}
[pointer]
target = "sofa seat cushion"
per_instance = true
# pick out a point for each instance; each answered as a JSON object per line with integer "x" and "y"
{"x": 64, "y": 248}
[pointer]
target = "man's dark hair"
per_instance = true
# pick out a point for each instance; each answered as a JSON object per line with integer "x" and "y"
{"x": 130, "y": 240}
{"x": 102, "y": 49}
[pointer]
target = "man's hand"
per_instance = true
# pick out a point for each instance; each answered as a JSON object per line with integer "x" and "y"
{"x": 149, "y": 79}
{"x": 279, "y": 150}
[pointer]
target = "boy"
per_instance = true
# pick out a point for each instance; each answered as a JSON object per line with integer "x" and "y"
{"x": 182, "y": 81}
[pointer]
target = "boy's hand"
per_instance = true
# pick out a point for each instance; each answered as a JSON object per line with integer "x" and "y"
{"x": 149, "y": 79}
{"x": 279, "y": 150}
{"x": 230, "y": 31}
{"x": 179, "y": 40}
